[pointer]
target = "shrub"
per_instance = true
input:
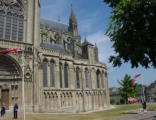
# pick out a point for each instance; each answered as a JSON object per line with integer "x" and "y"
{"x": 112, "y": 101}
{"x": 122, "y": 101}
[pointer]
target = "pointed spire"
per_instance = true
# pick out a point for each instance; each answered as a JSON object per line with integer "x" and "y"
{"x": 72, "y": 11}
{"x": 72, "y": 16}
{"x": 59, "y": 20}
{"x": 85, "y": 39}
{"x": 73, "y": 23}
{"x": 95, "y": 45}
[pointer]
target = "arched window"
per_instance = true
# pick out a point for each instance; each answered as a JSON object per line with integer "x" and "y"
{"x": 86, "y": 78}
{"x": 45, "y": 81}
{"x": 8, "y": 26}
{"x": 103, "y": 80}
{"x": 1, "y": 22}
{"x": 77, "y": 78}
{"x": 66, "y": 75}
{"x": 11, "y": 25}
{"x": 60, "y": 69}
{"x": 98, "y": 79}
{"x": 52, "y": 75}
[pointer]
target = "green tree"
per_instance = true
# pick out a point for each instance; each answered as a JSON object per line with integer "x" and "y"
{"x": 127, "y": 89}
{"x": 132, "y": 31}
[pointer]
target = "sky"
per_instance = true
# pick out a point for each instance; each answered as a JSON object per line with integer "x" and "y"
{"x": 93, "y": 18}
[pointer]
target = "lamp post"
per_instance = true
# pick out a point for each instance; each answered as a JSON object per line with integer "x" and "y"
{"x": 23, "y": 96}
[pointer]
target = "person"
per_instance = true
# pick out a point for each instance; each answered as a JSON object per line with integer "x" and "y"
{"x": 144, "y": 106}
{"x": 15, "y": 110}
{"x": 2, "y": 111}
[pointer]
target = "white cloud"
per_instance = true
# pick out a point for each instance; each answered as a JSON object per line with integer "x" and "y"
{"x": 98, "y": 38}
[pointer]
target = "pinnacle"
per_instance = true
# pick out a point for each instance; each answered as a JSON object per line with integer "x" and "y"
{"x": 72, "y": 16}
{"x": 85, "y": 39}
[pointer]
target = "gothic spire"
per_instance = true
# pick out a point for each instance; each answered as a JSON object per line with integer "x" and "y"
{"x": 72, "y": 15}
{"x": 95, "y": 45}
{"x": 73, "y": 23}
{"x": 85, "y": 39}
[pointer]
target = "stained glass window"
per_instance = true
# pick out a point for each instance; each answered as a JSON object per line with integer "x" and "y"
{"x": 86, "y": 78}
{"x": 8, "y": 26}
{"x": 20, "y": 28}
{"x": 77, "y": 78}
{"x": 98, "y": 79}
{"x": 11, "y": 25}
{"x": 1, "y": 6}
{"x": 103, "y": 82}
{"x": 1, "y": 23}
{"x": 66, "y": 75}
{"x": 45, "y": 73}
{"x": 60, "y": 69}
{"x": 14, "y": 28}
{"x": 52, "y": 75}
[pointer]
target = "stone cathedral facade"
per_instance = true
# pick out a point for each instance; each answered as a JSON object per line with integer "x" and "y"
{"x": 61, "y": 73}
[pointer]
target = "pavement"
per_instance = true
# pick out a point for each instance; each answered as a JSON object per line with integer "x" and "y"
{"x": 149, "y": 115}
{"x": 9, "y": 114}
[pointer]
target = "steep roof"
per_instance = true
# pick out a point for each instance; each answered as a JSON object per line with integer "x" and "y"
{"x": 53, "y": 46}
{"x": 54, "y": 24}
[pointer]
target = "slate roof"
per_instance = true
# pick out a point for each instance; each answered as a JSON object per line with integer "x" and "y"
{"x": 54, "y": 24}
{"x": 53, "y": 46}
{"x": 87, "y": 43}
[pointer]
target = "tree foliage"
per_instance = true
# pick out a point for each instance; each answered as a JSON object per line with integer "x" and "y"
{"x": 132, "y": 30}
{"x": 127, "y": 89}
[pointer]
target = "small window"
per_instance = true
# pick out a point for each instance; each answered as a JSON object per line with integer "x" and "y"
{"x": 98, "y": 79}
{"x": 60, "y": 69}
{"x": 1, "y": 23}
{"x": 77, "y": 78}
{"x": 66, "y": 75}
{"x": 45, "y": 73}
{"x": 52, "y": 75}
{"x": 86, "y": 78}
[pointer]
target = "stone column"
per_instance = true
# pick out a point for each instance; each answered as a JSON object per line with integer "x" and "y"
{"x": 63, "y": 82}
{"x": 93, "y": 79}
{"x": 107, "y": 90}
{"x": 57, "y": 75}
{"x": 59, "y": 100}
{"x": 90, "y": 78}
{"x": 48, "y": 75}
{"x": 35, "y": 37}
{"x": 92, "y": 97}
{"x": 83, "y": 87}
{"x": 74, "y": 101}
{"x": 71, "y": 77}
{"x": 85, "y": 105}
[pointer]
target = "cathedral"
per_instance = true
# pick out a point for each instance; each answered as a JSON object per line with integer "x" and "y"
{"x": 61, "y": 73}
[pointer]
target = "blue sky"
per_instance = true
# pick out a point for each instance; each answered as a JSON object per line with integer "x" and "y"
{"x": 93, "y": 17}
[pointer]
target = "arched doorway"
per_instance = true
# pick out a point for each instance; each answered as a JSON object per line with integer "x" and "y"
{"x": 10, "y": 80}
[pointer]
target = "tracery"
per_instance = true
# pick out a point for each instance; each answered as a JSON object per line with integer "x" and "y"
{"x": 11, "y": 20}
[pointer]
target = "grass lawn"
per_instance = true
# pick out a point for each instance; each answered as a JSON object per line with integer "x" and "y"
{"x": 104, "y": 115}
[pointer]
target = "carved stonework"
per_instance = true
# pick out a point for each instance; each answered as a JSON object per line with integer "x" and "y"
{"x": 38, "y": 57}
{"x": 60, "y": 71}
{"x": 28, "y": 72}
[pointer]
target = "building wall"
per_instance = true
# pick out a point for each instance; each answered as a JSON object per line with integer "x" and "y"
{"x": 53, "y": 99}
{"x": 73, "y": 99}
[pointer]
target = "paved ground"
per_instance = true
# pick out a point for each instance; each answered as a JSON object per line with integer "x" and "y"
{"x": 9, "y": 114}
{"x": 141, "y": 116}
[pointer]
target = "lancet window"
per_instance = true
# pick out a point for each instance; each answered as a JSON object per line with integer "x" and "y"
{"x": 11, "y": 20}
